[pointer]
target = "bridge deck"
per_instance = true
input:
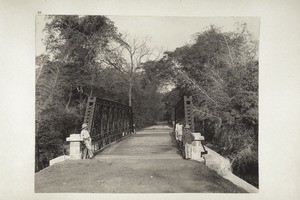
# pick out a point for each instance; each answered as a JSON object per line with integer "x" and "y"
{"x": 147, "y": 162}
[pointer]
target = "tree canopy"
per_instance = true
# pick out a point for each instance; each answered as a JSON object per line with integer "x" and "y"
{"x": 220, "y": 71}
{"x": 83, "y": 59}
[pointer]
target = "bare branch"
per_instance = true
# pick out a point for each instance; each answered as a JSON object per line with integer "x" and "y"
{"x": 229, "y": 52}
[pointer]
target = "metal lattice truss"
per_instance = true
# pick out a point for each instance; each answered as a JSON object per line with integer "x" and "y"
{"x": 184, "y": 112}
{"x": 107, "y": 121}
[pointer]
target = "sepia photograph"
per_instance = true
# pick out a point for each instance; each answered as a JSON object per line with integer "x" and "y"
{"x": 137, "y": 99}
{"x": 146, "y": 104}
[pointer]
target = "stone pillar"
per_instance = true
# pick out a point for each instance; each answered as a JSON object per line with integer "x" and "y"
{"x": 75, "y": 150}
{"x": 197, "y": 147}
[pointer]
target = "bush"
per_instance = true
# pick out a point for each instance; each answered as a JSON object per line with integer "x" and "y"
{"x": 239, "y": 144}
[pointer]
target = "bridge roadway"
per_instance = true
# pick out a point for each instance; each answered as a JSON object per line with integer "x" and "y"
{"x": 147, "y": 162}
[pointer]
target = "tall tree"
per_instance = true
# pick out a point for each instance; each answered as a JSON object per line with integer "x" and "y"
{"x": 128, "y": 57}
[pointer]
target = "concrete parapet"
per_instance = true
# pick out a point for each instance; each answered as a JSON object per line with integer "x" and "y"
{"x": 75, "y": 149}
{"x": 197, "y": 147}
{"x": 59, "y": 159}
{"x": 222, "y": 166}
{"x": 217, "y": 162}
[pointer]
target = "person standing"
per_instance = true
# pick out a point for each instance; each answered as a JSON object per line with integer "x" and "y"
{"x": 188, "y": 138}
{"x": 179, "y": 128}
{"x": 176, "y": 131}
{"x": 87, "y": 140}
{"x": 174, "y": 126}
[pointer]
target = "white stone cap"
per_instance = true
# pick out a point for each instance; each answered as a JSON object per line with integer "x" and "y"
{"x": 198, "y": 137}
{"x": 74, "y": 138}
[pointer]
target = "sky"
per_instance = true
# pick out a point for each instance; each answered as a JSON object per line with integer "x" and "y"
{"x": 165, "y": 33}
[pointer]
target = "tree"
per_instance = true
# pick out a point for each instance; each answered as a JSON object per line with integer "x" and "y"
{"x": 68, "y": 78}
{"x": 40, "y": 61}
{"x": 147, "y": 101}
{"x": 129, "y": 59}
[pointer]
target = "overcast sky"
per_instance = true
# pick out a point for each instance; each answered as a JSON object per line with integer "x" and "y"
{"x": 165, "y": 33}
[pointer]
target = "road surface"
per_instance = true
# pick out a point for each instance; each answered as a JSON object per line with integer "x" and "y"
{"x": 147, "y": 162}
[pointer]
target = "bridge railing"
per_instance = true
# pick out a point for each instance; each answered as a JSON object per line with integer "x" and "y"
{"x": 184, "y": 112}
{"x": 108, "y": 121}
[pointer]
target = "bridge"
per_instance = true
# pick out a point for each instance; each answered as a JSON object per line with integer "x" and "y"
{"x": 146, "y": 161}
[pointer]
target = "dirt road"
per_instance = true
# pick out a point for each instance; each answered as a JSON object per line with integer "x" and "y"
{"x": 147, "y": 162}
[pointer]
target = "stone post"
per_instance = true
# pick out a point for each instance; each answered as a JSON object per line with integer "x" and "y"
{"x": 75, "y": 150}
{"x": 197, "y": 147}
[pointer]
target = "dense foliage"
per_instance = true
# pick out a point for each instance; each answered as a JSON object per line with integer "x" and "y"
{"x": 220, "y": 71}
{"x": 81, "y": 61}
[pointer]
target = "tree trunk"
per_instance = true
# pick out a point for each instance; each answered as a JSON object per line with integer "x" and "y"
{"x": 81, "y": 98}
{"x": 69, "y": 100}
{"x": 130, "y": 93}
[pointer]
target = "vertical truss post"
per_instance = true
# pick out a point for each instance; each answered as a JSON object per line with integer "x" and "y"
{"x": 118, "y": 122}
{"x": 107, "y": 125}
{"x": 131, "y": 121}
{"x": 113, "y": 124}
{"x": 188, "y": 112}
{"x": 184, "y": 112}
{"x": 89, "y": 112}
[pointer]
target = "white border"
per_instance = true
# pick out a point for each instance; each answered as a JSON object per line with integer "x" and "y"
{"x": 279, "y": 88}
